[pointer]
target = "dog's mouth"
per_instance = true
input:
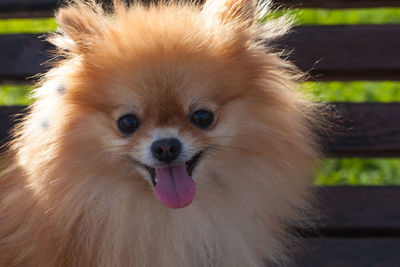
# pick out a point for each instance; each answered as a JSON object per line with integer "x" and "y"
{"x": 189, "y": 165}
{"x": 173, "y": 184}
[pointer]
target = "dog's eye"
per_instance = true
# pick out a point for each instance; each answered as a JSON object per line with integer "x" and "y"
{"x": 202, "y": 118}
{"x": 127, "y": 124}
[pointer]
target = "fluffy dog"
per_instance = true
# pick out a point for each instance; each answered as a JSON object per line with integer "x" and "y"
{"x": 166, "y": 135}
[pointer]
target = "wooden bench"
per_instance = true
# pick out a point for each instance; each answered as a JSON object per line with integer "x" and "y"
{"x": 360, "y": 226}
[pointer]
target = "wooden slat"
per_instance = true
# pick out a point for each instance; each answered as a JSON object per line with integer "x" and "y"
{"x": 22, "y": 56}
{"x": 363, "y": 130}
{"x": 360, "y": 227}
{"x": 350, "y": 252}
{"x": 7, "y": 116}
{"x": 363, "y": 52}
{"x": 37, "y": 8}
{"x": 336, "y": 4}
{"x": 367, "y": 209}
{"x": 44, "y": 8}
{"x": 367, "y": 52}
{"x": 27, "y": 8}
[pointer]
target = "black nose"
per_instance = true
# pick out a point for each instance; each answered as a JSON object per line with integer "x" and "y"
{"x": 166, "y": 149}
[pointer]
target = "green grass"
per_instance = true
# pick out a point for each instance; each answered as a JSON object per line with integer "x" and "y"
{"x": 12, "y": 95}
{"x": 356, "y": 171}
{"x": 331, "y": 171}
{"x": 8, "y": 26}
{"x": 355, "y": 91}
{"x": 348, "y": 16}
{"x": 303, "y": 17}
{"x": 340, "y": 16}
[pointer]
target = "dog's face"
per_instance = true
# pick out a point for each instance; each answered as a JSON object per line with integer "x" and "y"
{"x": 160, "y": 103}
{"x": 164, "y": 121}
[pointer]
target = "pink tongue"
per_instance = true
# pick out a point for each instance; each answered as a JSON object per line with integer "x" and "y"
{"x": 174, "y": 188}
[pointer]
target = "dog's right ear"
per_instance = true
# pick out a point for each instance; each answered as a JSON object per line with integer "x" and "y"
{"x": 80, "y": 25}
{"x": 225, "y": 11}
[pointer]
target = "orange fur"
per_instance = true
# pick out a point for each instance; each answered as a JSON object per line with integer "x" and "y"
{"x": 70, "y": 200}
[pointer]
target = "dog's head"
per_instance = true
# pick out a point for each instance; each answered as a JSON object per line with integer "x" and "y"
{"x": 166, "y": 97}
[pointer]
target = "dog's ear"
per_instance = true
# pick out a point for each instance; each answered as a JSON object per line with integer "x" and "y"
{"x": 225, "y": 11}
{"x": 80, "y": 24}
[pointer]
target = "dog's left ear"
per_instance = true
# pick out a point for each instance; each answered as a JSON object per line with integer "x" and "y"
{"x": 81, "y": 24}
{"x": 225, "y": 11}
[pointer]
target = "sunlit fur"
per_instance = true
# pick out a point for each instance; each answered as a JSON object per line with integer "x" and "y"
{"x": 70, "y": 197}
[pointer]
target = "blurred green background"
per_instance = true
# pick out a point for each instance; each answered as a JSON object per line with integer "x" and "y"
{"x": 352, "y": 171}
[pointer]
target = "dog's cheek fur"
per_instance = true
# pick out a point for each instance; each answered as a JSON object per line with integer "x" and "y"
{"x": 80, "y": 190}
{"x": 265, "y": 176}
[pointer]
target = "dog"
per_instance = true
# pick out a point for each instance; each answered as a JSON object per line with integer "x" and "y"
{"x": 165, "y": 134}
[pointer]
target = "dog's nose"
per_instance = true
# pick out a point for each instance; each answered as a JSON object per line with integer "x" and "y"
{"x": 166, "y": 149}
